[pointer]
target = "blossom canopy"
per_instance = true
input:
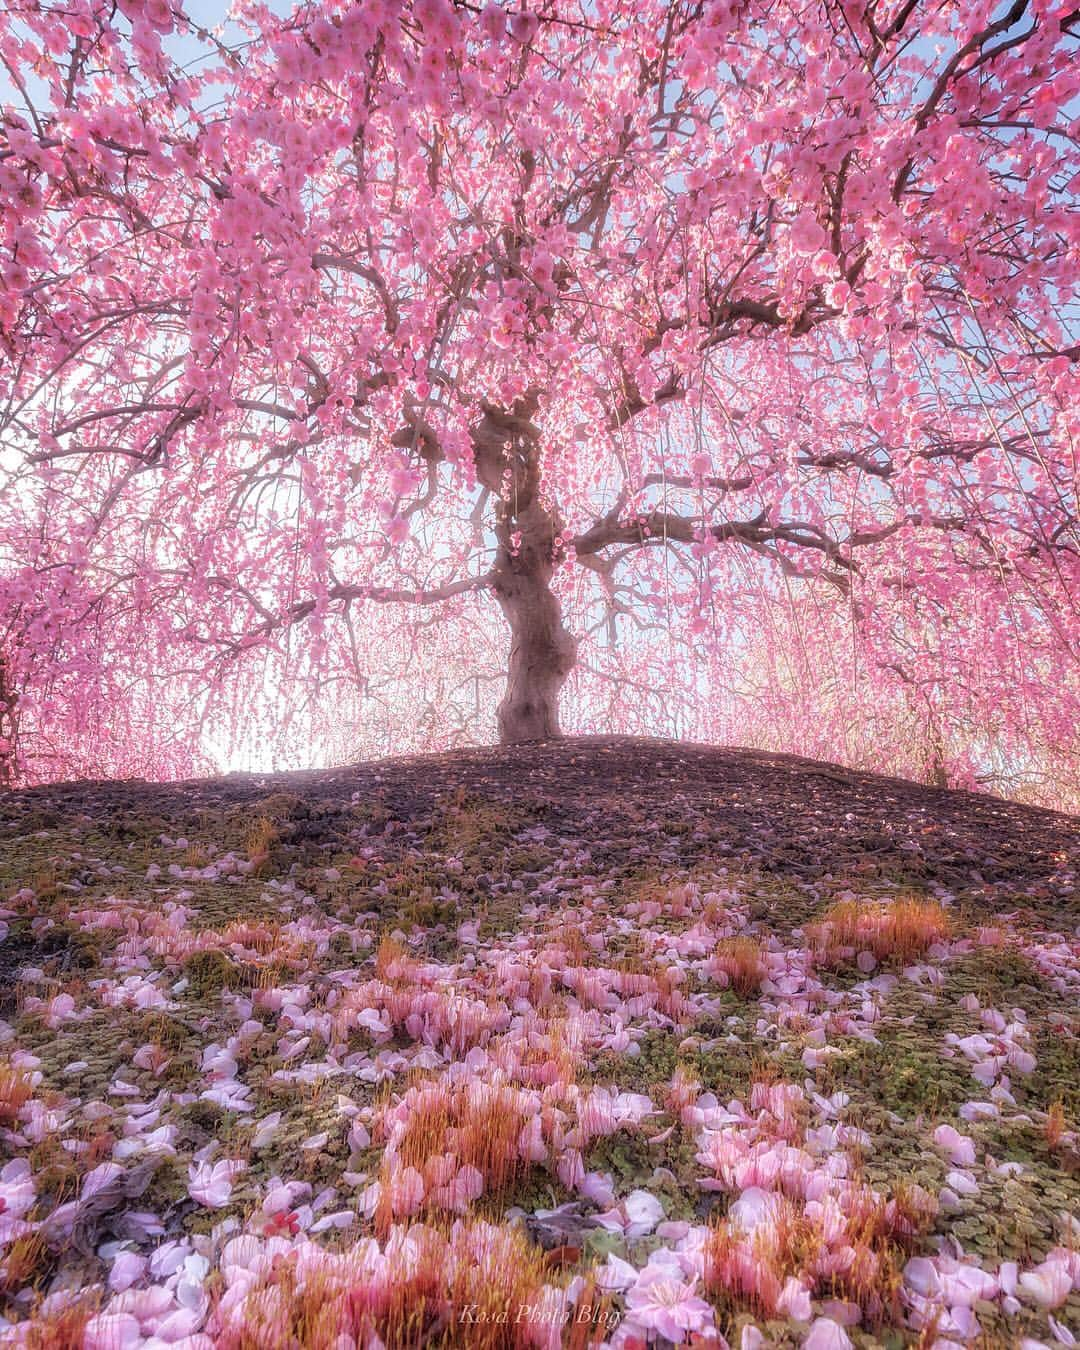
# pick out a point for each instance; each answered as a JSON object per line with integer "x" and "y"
{"x": 723, "y": 352}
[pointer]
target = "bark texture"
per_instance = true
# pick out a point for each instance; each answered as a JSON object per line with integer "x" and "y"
{"x": 506, "y": 444}
{"x": 542, "y": 651}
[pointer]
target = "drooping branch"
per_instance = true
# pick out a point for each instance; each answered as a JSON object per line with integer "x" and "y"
{"x": 414, "y": 311}
{"x": 343, "y": 596}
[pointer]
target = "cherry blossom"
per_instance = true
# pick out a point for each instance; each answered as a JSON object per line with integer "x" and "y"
{"x": 211, "y": 1183}
{"x": 396, "y": 375}
{"x": 661, "y": 1300}
{"x": 826, "y": 1334}
{"x": 1048, "y": 1284}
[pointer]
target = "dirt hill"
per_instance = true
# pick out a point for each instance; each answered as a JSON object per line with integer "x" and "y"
{"x": 796, "y": 1043}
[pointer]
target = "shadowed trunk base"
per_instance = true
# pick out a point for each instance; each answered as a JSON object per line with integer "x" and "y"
{"x": 542, "y": 651}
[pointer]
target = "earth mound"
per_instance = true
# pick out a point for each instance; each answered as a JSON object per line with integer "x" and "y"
{"x": 598, "y": 1041}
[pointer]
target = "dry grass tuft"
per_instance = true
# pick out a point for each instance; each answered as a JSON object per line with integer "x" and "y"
{"x": 472, "y": 1287}
{"x": 747, "y": 1272}
{"x": 897, "y": 933}
{"x": 1056, "y": 1126}
{"x": 64, "y": 1329}
{"x": 479, "y": 1125}
{"x": 15, "y": 1091}
{"x": 392, "y": 959}
{"x": 25, "y": 1264}
{"x": 742, "y": 960}
{"x": 259, "y": 844}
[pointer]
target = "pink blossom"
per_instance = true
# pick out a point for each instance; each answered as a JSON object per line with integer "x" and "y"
{"x": 211, "y": 1183}
{"x": 598, "y": 1187}
{"x": 112, "y": 1331}
{"x": 616, "y": 1273}
{"x": 1047, "y": 1284}
{"x": 753, "y": 1208}
{"x": 958, "y": 1146}
{"x": 406, "y": 1191}
{"x": 663, "y": 1302}
{"x": 794, "y": 1300}
{"x": 635, "y": 1216}
{"x": 126, "y": 1269}
{"x": 964, "y": 1285}
{"x": 16, "y": 1189}
{"x": 825, "y": 1334}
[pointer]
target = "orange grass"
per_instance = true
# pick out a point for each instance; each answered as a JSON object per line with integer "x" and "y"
{"x": 481, "y": 1129}
{"x": 15, "y": 1091}
{"x": 64, "y": 1329}
{"x": 392, "y": 959}
{"x": 477, "y": 1125}
{"x": 897, "y": 932}
{"x": 261, "y": 838}
{"x": 742, "y": 960}
{"x": 1055, "y": 1128}
{"x": 25, "y": 1263}
{"x": 748, "y": 1272}
{"x": 472, "y": 1287}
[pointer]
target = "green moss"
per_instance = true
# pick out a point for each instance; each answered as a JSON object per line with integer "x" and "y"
{"x": 532, "y": 858}
{"x": 71, "y": 948}
{"x": 209, "y": 972}
{"x": 654, "y": 1064}
{"x": 104, "y": 1041}
{"x": 204, "y": 1115}
{"x": 1005, "y": 979}
{"x": 633, "y": 1163}
{"x": 163, "y": 1029}
{"x": 536, "y": 1189}
{"x": 167, "y": 1188}
{"x": 724, "y": 1066}
{"x": 474, "y": 828}
{"x": 1016, "y": 1218}
{"x": 728, "y": 1067}
{"x": 341, "y": 946}
{"x": 783, "y": 907}
{"x": 1001, "y": 977}
{"x": 427, "y": 912}
{"x": 905, "y": 1074}
{"x": 1057, "y": 1076}
{"x": 1001, "y": 1329}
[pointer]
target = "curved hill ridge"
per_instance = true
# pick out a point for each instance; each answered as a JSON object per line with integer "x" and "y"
{"x": 482, "y": 1048}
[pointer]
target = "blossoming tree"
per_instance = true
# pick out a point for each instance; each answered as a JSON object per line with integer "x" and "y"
{"x": 579, "y": 311}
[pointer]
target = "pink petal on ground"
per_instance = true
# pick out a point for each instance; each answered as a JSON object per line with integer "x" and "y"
{"x": 112, "y": 1331}
{"x": 753, "y": 1208}
{"x": 126, "y": 1269}
{"x": 958, "y": 1146}
{"x": 1048, "y": 1284}
{"x": 794, "y": 1300}
{"x": 826, "y": 1334}
{"x": 97, "y": 1178}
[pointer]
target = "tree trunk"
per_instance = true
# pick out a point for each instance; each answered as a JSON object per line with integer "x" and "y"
{"x": 542, "y": 651}
{"x": 506, "y": 445}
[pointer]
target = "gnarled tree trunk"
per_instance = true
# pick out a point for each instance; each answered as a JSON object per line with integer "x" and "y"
{"x": 542, "y": 651}
{"x": 506, "y": 444}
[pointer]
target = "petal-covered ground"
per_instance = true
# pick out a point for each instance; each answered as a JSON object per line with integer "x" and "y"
{"x": 604, "y": 1042}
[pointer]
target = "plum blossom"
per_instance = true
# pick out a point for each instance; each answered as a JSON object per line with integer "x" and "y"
{"x": 1047, "y": 1284}
{"x": 661, "y": 1300}
{"x": 825, "y": 1334}
{"x": 112, "y": 1331}
{"x": 127, "y": 1268}
{"x": 211, "y": 1183}
{"x": 635, "y": 1216}
{"x": 959, "y": 1147}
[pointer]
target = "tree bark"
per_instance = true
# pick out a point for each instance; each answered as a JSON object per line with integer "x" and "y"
{"x": 542, "y": 651}
{"x": 506, "y": 447}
